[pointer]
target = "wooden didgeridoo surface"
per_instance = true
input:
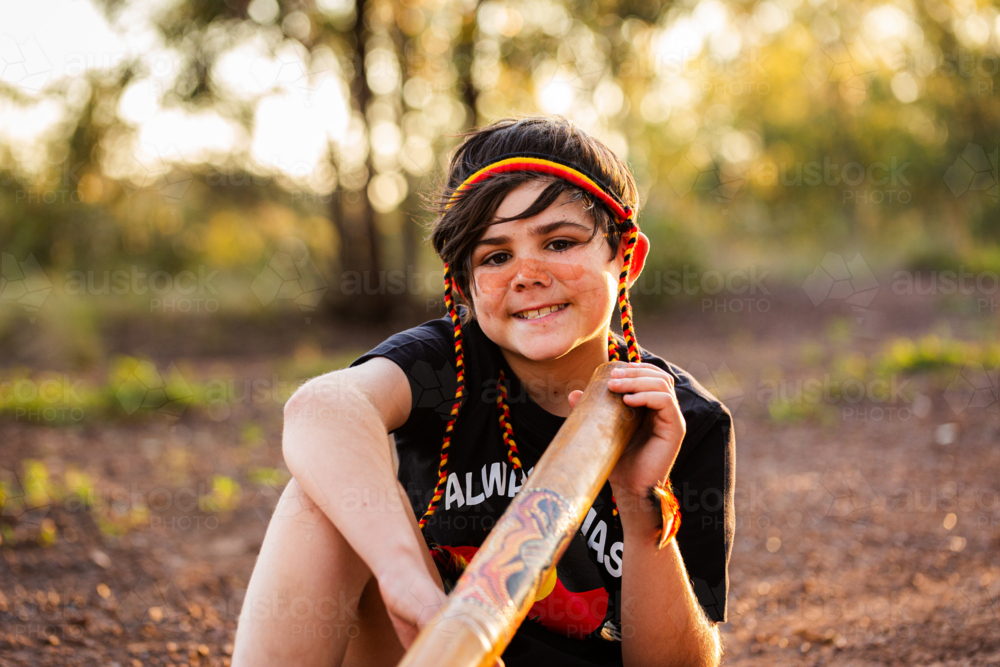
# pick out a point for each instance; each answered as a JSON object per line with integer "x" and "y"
{"x": 498, "y": 587}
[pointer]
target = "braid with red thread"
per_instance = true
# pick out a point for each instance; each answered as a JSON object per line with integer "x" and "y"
{"x": 505, "y": 428}
{"x": 623, "y": 303}
{"x": 459, "y": 392}
{"x": 612, "y": 348}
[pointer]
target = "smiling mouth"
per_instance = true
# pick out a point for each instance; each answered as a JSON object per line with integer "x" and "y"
{"x": 541, "y": 312}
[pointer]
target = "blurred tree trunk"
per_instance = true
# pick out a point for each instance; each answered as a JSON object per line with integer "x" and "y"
{"x": 410, "y": 227}
{"x": 465, "y": 54}
{"x": 360, "y": 258}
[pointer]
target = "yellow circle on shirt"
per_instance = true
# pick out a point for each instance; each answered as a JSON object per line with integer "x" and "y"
{"x": 547, "y": 586}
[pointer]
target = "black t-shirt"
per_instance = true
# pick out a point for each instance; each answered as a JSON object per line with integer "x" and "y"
{"x": 565, "y": 626}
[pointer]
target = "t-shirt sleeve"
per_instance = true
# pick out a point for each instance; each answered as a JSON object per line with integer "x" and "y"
{"x": 703, "y": 481}
{"x": 426, "y": 354}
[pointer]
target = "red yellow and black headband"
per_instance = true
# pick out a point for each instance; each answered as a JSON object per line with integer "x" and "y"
{"x": 546, "y": 165}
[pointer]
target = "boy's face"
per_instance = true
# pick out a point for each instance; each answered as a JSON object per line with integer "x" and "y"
{"x": 543, "y": 288}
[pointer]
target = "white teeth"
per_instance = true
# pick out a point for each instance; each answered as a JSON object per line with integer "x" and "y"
{"x": 541, "y": 312}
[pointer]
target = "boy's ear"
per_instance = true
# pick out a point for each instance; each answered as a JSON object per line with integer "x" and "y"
{"x": 639, "y": 253}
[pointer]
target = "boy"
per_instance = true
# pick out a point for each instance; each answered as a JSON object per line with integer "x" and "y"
{"x": 538, "y": 236}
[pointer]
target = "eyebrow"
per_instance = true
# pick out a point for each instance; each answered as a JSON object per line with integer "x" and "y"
{"x": 541, "y": 230}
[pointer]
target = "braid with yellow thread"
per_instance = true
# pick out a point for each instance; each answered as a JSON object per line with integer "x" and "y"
{"x": 449, "y": 301}
{"x": 631, "y": 234}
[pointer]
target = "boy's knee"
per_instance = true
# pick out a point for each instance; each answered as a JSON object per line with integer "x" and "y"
{"x": 296, "y": 504}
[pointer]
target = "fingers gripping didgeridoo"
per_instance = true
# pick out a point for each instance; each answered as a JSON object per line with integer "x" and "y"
{"x": 498, "y": 587}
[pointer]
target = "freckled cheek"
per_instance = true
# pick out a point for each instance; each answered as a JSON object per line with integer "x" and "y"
{"x": 489, "y": 294}
{"x": 583, "y": 279}
{"x": 567, "y": 272}
{"x": 492, "y": 284}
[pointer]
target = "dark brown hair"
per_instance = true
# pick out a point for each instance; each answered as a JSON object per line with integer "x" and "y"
{"x": 456, "y": 229}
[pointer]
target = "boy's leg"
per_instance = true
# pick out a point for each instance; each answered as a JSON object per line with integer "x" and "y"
{"x": 377, "y": 643}
{"x": 311, "y": 599}
{"x": 303, "y": 595}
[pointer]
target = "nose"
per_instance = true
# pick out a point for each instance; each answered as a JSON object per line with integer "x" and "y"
{"x": 531, "y": 273}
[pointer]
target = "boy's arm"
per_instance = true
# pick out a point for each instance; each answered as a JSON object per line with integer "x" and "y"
{"x": 336, "y": 445}
{"x": 662, "y": 621}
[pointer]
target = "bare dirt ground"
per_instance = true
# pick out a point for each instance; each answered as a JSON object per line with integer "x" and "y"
{"x": 868, "y": 532}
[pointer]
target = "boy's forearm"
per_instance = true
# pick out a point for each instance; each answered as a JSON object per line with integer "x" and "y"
{"x": 336, "y": 446}
{"x": 668, "y": 625}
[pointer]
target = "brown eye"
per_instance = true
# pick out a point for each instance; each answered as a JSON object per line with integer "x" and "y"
{"x": 489, "y": 260}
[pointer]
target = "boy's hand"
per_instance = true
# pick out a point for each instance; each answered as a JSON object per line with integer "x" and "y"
{"x": 411, "y": 601}
{"x": 650, "y": 456}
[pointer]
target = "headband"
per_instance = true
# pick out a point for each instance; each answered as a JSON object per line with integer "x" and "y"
{"x": 546, "y": 165}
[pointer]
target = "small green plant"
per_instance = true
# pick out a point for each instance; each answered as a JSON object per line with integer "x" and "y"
{"x": 79, "y": 486}
{"x": 115, "y": 523}
{"x": 310, "y": 363}
{"x": 784, "y": 411}
{"x": 225, "y": 496}
{"x": 39, "y": 488}
{"x": 252, "y": 435}
{"x": 48, "y": 533}
{"x": 930, "y": 353}
{"x": 268, "y": 476}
